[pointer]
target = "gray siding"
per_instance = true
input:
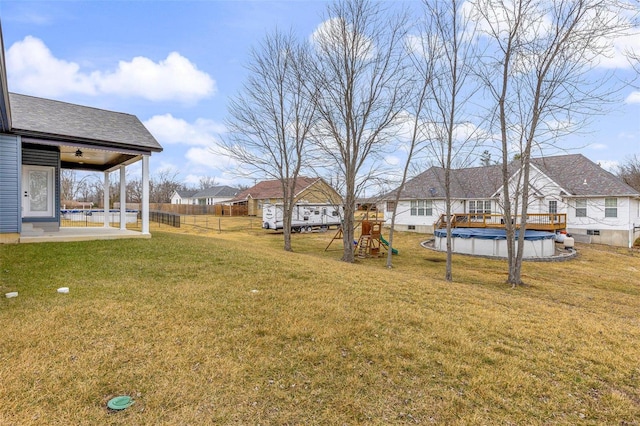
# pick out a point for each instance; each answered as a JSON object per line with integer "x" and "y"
{"x": 42, "y": 155}
{"x": 9, "y": 184}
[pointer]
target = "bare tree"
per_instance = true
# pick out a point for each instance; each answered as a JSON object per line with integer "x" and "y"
{"x": 73, "y": 184}
{"x": 536, "y": 71}
{"x": 67, "y": 184}
{"x": 134, "y": 190}
{"x": 269, "y": 122}
{"x": 414, "y": 144}
{"x": 629, "y": 172}
{"x": 162, "y": 186}
{"x": 448, "y": 43}
{"x": 633, "y": 57}
{"x": 96, "y": 189}
{"x": 206, "y": 182}
{"x": 420, "y": 51}
{"x": 360, "y": 74}
{"x": 114, "y": 191}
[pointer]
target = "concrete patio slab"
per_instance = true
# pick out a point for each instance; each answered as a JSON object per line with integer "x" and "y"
{"x": 82, "y": 234}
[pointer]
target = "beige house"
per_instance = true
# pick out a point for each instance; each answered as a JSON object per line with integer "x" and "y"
{"x": 307, "y": 190}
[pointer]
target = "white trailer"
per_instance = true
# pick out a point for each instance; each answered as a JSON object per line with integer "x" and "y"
{"x": 305, "y": 216}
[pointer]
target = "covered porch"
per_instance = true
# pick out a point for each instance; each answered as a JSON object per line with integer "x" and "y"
{"x": 55, "y": 136}
{"x": 101, "y": 222}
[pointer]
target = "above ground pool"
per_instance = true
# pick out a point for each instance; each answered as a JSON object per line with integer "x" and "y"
{"x": 493, "y": 242}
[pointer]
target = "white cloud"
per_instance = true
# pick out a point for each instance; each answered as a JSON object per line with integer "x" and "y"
{"x": 467, "y": 131}
{"x": 170, "y": 130}
{"x": 610, "y": 166}
{"x": 329, "y": 37}
{"x": 498, "y": 19}
{"x": 628, "y": 135}
{"x": 173, "y": 78}
{"x": 633, "y": 98}
{"x": 205, "y": 152}
{"x": 167, "y": 167}
{"x": 192, "y": 179}
{"x": 598, "y": 146}
{"x": 392, "y": 160}
{"x": 612, "y": 50}
{"x": 618, "y": 47}
{"x": 211, "y": 158}
{"x": 33, "y": 69}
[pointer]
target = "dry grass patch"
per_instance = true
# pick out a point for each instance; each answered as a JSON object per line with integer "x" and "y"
{"x": 228, "y": 329}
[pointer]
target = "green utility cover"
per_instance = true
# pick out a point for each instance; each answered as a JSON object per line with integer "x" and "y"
{"x": 120, "y": 402}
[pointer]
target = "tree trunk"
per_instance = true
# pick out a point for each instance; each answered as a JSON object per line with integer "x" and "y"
{"x": 288, "y": 191}
{"x": 286, "y": 228}
{"x": 348, "y": 223}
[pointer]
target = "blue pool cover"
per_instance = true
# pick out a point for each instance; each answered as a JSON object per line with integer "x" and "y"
{"x": 492, "y": 234}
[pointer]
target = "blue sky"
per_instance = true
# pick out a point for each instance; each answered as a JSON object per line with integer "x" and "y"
{"x": 175, "y": 64}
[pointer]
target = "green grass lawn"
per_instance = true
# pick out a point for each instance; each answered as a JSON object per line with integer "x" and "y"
{"x": 229, "y": 329}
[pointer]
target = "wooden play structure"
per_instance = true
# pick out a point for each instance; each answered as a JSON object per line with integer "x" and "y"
{"x": 371, "y": 241}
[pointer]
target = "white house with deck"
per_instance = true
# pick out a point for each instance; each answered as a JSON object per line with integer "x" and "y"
{"x": 566, "y": 192}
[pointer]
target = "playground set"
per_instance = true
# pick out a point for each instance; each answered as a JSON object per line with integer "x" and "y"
{"x": 371, "y": 242}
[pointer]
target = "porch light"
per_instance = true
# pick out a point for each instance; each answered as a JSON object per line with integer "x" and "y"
{"x": 78, "y": 153}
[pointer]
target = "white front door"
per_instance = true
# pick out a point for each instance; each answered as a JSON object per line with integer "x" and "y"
{"x": 37, "y": 191}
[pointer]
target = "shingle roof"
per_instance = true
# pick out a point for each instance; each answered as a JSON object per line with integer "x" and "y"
{"x": 38, "y": 117}
{"x": 582, "y": 177}
{"x": 217, "y": 191}
{"x": 575, "y": 173}
{"x": 186, "y": 193}
{"x": 273, "y": 189}
{"x": 473, "y": 182}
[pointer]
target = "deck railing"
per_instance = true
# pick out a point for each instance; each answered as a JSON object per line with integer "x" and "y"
{"x": 535, "y": 221}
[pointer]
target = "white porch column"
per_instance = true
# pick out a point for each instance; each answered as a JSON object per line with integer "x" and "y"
{"x": 145, "y": 194}
{"x": 105, "y": 197}
{"x": 123, "y": 199}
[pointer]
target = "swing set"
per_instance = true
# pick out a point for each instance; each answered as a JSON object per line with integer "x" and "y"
{"x": 371, "y": 241}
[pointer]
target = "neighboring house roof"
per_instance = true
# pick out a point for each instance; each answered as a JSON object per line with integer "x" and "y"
{"x": 186, "y": 193}
{"x": 45, "y": 118}
{"x": 473, "y": 182}
{"x": 217, "y": 191}
{"x": 273, "y": 189}
{"x": 574, "y": 173}
{"x": 582, "y": 177}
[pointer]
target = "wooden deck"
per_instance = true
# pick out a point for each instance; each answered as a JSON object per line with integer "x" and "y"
{"x": 535, "y": 221}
